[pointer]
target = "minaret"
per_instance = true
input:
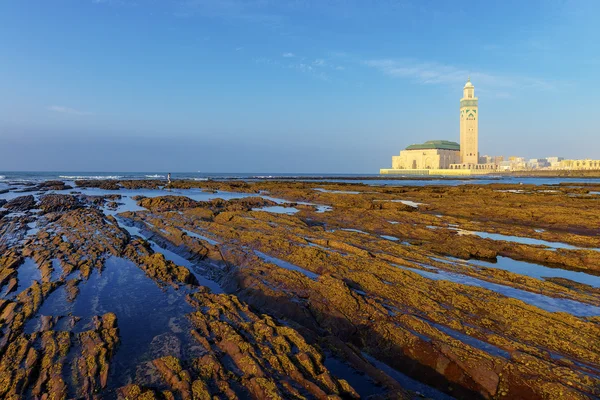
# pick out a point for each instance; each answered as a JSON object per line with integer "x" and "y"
{"x": 469, "y": 127}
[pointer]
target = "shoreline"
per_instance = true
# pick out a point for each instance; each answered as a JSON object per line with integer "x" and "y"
{"x": 381, "y": 282}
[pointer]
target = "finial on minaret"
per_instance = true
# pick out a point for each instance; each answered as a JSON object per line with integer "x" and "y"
{"x": 469, "y": 78}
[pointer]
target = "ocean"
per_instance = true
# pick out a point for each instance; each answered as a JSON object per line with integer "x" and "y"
{"x": 8, "y": 178}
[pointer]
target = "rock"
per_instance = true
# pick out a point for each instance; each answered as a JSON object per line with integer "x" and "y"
{"x": 22, "y": 203}
{"x": 166, "y": 203}
{"x": 53, "y": 185}
{"x": 101, "y": 184}
{"x": 59, "y": 203}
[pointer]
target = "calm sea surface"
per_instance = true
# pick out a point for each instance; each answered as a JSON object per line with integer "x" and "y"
{"x": 8, "y": 177}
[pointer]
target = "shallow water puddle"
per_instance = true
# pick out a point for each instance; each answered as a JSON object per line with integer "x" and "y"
{"x": 520, "y": 239}
{"x": 177, "y": 259}
{"x": 284, "y": 264}
{"x": 539, "y": 271}
{"x": 144, "y": 312}
{"x": 544, "y": 302}
{"x": 201, "y": 237}
{"x": 392, "y": 238}
{"x": 194, "y": 269}
{"x": 27, "y": 273}
{"x": 32, "y": 229}
{"x": 278, "y": 210}
{"x": 470, "y": 340}
{"x": 57, "y": 270}
{"x": 408, "y": 382}
{"x": 353, "y": 230}
{"x": 405, "y": 202}
{"x": 363, "y": 385}
{"x": 336, "y": 191}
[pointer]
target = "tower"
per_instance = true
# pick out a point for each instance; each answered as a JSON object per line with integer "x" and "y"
{"x": 469, "y": 126}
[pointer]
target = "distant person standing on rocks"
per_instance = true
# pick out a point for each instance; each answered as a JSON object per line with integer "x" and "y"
{"x": 169, "y": 180}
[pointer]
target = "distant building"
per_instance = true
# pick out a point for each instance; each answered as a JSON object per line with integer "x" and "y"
{"x": 444, "y": 154}
{"x": 469, "y": 126}
{"x": 579, "y": 164}
{"x": 469, "y": 133}
{"x": 537, "y": 163}
{"x": 505, "y": 166}
{"x": 496, "y": 160}
{"x": 553, "y": 160}
{"x": 434, "y": 154}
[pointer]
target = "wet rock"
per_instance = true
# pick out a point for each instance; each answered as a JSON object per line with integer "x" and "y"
{"x": 135, "y": 392}
{"x": 36, "y": 363}
{"x": 157, "y": 267}
{"x": 269, "y": 360}
{"x": 353, "y": 293}
{"x": 22, "y": 203}
{"x": 59, "y": 203}
{"x": 53, "y": 185}
{"x": 100, "y": 184}
{"x": 166, "y": 203}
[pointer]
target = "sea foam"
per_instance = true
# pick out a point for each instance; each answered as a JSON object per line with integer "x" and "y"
{"x": 155, "y": 176}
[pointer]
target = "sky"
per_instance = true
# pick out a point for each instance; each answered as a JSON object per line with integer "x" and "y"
{"x": 290, "y": 86}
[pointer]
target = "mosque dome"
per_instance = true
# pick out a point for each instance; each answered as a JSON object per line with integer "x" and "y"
{"x": 469, "y": 84}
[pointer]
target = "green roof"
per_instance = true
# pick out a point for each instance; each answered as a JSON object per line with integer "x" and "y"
{"x": 435, "y": 144}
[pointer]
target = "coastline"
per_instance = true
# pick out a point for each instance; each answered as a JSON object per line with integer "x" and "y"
{"x": 446, "y": 290}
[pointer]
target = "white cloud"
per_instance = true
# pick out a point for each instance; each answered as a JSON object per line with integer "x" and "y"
{"x": 67, "y": 110}
{"x": 435, "y": 73}
{"x": 288, "y": 55}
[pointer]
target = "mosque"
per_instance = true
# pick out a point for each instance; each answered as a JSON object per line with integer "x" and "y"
{"x": 443, "y": 156}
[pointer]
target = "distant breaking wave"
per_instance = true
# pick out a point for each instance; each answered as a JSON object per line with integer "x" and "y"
{"x": 200, "y": 179}
{"x": 155, "y": 176}
{"x": 93, "y": 177}
{"x": 2, "y": 177}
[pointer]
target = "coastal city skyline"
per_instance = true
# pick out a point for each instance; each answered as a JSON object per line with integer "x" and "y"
{"x": 449, "y": 158}
{"x": 258, "y": 86}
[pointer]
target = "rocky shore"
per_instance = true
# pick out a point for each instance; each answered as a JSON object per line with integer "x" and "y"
{"x": 299, "y": 289}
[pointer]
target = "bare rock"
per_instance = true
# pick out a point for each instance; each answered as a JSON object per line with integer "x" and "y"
{"x": 59, "y": 203}
{"x": 21, "y": 203}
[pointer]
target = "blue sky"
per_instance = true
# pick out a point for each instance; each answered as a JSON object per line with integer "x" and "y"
{"x": 335, "y": 86}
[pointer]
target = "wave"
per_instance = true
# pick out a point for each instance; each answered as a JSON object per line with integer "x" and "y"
{"x": 200, "y": 179}
{"x": 92, "y": 177}
{"x": 155, "y": 176}
{"x": 2, "y": 177}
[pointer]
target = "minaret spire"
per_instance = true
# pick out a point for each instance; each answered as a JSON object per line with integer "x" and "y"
{"x": 469, "y": 130}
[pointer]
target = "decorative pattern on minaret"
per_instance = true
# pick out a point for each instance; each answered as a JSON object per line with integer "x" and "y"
{"x": 469, "y": 126}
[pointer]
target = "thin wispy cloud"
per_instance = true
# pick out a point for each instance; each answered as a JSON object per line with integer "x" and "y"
{"x": 321, "y": 68}
{"x": 67, "y": 110}
{"x": 430, "y": 73}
